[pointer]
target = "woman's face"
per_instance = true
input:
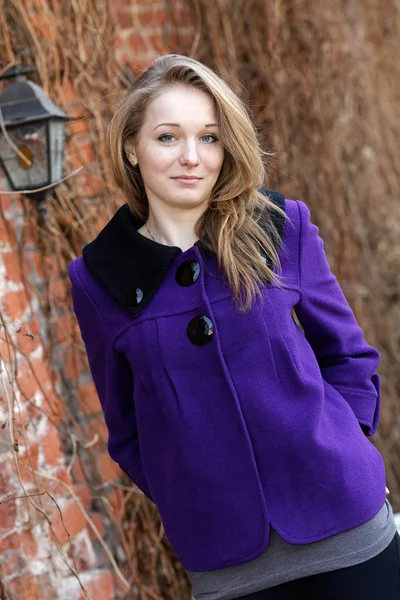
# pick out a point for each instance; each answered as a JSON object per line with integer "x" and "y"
{"x": 178, "y": 150}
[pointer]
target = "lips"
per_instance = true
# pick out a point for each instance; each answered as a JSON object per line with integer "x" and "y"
{"x": 188, "y": 177}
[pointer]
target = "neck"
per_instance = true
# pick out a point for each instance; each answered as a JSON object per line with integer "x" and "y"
{"x": 174, "y": 229}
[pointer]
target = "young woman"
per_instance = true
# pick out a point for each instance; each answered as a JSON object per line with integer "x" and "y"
{"x": 248, "y": 431}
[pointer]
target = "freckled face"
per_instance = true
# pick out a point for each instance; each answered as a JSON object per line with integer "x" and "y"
{"x": 178, "y": 150}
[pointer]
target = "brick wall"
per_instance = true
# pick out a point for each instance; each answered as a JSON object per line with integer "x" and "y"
{"x": 35, "y": 448}
{"x": 60, "y": 493}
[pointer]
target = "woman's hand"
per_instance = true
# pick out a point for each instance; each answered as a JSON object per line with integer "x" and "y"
{"x": 387, "y": 491}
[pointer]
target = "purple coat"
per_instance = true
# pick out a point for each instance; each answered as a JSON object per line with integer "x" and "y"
{"x": 231, "y": 422}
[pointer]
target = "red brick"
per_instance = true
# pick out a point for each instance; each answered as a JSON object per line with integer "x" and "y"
{"x": 159, "y": 44}
{"x": 127, "y": 18}
{"x": 55, "y": 487}
{"x": 88, "y": 399}
{"x": 115, "y": 499}
{"x": 30, "y": 229}
{"x": 12, "y": 265}
{"x": 83, "y": 152}
{"x": 152, "y": 18}
{"x": 51, "y": 265}
{"x": 73, "y": 521}
{"x": 29, "y": 377}
{"x": 99, "y": 584}
{"x": 91, "y": 185}
{"x": 98, "y": 426}
{"x": 5, "y": 206}
{"x": 8, "y": 513}
{"x": 124, "y": 19}
{"x": 16, "y": 550}
{"x": 25, "y": 587}
{"x": 12, "y": 562}
{"x": 108, "y": 469}
{"x": 51, "y": 448}
{"x": 29, "y": 458}
{"x": 28, "y": 545}
{"x": 15, "y": 304}
{"x": 59, "y": 293}
{"x": 141, "y": 64}
{"x": 65, "y": 328}
{"x": 84, "y": 493}
{"x": 81, "y": 551}
{"x": 125, "y": 3}
{"x": 67, "y": 98}
{"x": 32, "y": 261}
{"x": 28, "y": 339}
{"x": 71, "y": 362}
{"x": 63, "y": 475}
{"x": 78, "y": 471}
{"x": 78, "y": 127}
{"x": 137, "y": 44}
{"x": 98, "y": 520}
{"x": 47, "y": 591}
{"x": 54, "y": 406}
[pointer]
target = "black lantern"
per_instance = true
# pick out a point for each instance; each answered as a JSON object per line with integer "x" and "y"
{"x": 36, "y": 127}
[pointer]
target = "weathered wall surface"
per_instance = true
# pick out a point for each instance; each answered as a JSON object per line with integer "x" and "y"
{"x": 71, "y": 527}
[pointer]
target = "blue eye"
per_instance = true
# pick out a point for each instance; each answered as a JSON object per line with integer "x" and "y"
{"x": 166, "y": 137}
{"x": 211, "y": 138}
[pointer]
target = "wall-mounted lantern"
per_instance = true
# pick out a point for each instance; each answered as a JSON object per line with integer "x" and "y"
{"x": 36, "y": 127}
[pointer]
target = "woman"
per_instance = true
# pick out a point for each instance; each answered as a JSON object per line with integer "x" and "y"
{"x": 247, "y": 431}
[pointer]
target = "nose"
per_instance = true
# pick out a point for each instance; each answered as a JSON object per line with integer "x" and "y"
{"x": 190, "y": 154}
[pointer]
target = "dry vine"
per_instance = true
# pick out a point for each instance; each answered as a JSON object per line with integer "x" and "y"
{"x": 321, "y": 79}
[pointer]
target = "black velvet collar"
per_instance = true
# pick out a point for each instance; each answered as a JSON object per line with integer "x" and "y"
{"x": 130, "y": 266}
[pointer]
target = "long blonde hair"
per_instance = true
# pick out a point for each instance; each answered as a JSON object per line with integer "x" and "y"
{"x": 237, "y": 225}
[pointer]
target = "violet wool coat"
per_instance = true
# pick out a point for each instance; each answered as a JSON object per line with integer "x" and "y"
{"x": 229, "y": 421}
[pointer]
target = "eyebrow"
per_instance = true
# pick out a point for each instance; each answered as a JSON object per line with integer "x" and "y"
{"x": 177, "y": 125}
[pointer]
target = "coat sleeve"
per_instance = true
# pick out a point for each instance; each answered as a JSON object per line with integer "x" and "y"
{"x": 112, "y": 376}
{"x": 346, "y": 361}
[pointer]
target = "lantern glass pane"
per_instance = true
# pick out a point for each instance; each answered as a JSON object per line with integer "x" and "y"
{"x": 57, "y": 133}
{"x": 29, "y": 169}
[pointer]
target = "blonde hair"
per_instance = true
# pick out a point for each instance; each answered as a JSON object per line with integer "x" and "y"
{"x": 237, "y": 224}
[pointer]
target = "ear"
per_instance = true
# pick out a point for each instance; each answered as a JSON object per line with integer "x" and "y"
{"x": 132, "y": 159}
{"x": 130, "y": 152}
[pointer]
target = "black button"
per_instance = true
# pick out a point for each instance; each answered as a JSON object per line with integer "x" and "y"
{"x": 188, "y": 272}
{"x": 200, "y": 331}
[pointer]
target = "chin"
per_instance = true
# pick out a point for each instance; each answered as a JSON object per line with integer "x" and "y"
{"x": 187, "y": 198}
